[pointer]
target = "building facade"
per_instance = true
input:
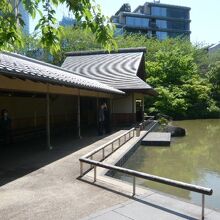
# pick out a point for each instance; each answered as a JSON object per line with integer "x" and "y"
{"x": 123, "y": 70}
{"x": 153, "y": 19}
{"x": 67, "y": 21}
{"x": 44, "y": 100}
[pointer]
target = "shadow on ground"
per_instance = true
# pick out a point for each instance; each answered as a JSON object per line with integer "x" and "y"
{"x": 19, "y": 159}
{"x": 140, "y": 200}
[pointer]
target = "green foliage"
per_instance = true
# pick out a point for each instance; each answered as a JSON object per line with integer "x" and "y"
{"x": 163, "y": 121}
{"x": 183, "y": 93}
{"x": 9, "y": 31}
{"x": 214, "y": 75}
{"x": 214, "y": 57}
{"x": 75, "y": 39}
{"x": 85, "y": 11}
{"x": 214, "y": 79}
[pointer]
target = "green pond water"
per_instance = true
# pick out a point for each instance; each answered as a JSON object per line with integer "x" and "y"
{"x": 193, "y": 159}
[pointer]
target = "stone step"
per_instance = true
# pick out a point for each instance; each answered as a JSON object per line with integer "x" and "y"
{"x": 157, "y": 139}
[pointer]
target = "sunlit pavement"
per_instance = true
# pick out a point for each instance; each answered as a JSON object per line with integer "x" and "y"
{"x": 152, "y": 207}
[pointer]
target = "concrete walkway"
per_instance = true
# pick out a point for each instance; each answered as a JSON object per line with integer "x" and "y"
{"x": 53, "y": 191}
{"x": 154, "y": 207}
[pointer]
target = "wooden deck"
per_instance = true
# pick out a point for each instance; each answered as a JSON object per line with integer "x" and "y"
{"x": 157, "y": 139}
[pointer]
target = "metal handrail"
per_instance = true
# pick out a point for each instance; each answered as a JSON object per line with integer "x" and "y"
{"x": 132, "y": 130}
{"x": 182, "y": 185}
{"x": 108, "y": 143}
{"x": 84, "y": 159}
{"x": 154, "y": 178}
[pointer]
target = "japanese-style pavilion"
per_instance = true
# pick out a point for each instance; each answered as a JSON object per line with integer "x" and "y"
{"x": 43, "y": 98}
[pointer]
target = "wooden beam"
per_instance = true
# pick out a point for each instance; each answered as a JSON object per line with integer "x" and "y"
{"x": 15, "y": 84}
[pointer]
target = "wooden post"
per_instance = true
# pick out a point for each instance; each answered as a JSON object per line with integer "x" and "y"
{"x": 97, "y": 112}
{"x": 133, "y": 108}
{"x": 48, "y": 120}
{"x": 78, "y": 115}
{"x": 35, "y": 119}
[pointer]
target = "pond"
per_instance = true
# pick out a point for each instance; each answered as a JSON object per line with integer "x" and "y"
{"x": 193, "y": 159}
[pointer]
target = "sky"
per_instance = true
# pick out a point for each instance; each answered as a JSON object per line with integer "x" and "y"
{"x": 204, "y": 15}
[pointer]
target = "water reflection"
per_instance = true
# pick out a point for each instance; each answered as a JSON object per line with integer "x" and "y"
{"x": 193, "y": 159}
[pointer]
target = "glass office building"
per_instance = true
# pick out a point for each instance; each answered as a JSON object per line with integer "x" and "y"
{"x": 154, "y": 19}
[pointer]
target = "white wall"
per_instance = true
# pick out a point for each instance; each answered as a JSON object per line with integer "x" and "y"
{"x": 122, "y": 104}
{"x": 126, "y": 104}
{"x": 138, "y": 96}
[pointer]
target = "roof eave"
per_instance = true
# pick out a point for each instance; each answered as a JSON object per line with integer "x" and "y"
{"x": 149, "y": 91}
{"x": 52, "y": 82}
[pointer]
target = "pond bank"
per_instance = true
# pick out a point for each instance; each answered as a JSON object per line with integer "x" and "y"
{"x": 192, "y": 159}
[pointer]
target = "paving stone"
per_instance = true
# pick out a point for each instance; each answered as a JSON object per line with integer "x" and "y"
{"x": 141, "y": 211}
{"x": 110, "y": 216}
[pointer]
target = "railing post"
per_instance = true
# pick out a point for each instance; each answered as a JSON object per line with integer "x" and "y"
{"x": 81, "y": 168}
{"x": 103, "y": 153}
{"x": 133, "y": 186}
{"x": 112, "y": 147}
{"x": 91, "y": 159}
{"x": 94, "y": 174}
{"x": 119, "y": 142}
{"x": 203, "y": 207}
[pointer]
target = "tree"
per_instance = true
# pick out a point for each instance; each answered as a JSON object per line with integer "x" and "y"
{"x": 214, "y": 79}
{"x": 75, "y": 39}
{"x": 87, "y": 13}
{"x": 183, "y": 93}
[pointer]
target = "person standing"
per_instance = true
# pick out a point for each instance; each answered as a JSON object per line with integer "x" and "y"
{"x": 5, "y": 127}
{"x": 107, "y": 119}
{"x": 101, "y": 120}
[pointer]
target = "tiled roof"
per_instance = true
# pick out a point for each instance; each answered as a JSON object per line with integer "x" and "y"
{"x": 15, "y": 65}
{"x": 118, "y": 70}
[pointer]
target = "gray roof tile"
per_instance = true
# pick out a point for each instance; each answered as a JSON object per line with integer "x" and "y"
{"x": 118, "y": 70}
{"x": 12, "y": 64}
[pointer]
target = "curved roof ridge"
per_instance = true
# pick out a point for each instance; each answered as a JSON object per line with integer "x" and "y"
{"x": 97, "y": 52}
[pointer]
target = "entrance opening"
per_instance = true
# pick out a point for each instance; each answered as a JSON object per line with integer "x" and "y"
{"x": 139, "y": 112}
